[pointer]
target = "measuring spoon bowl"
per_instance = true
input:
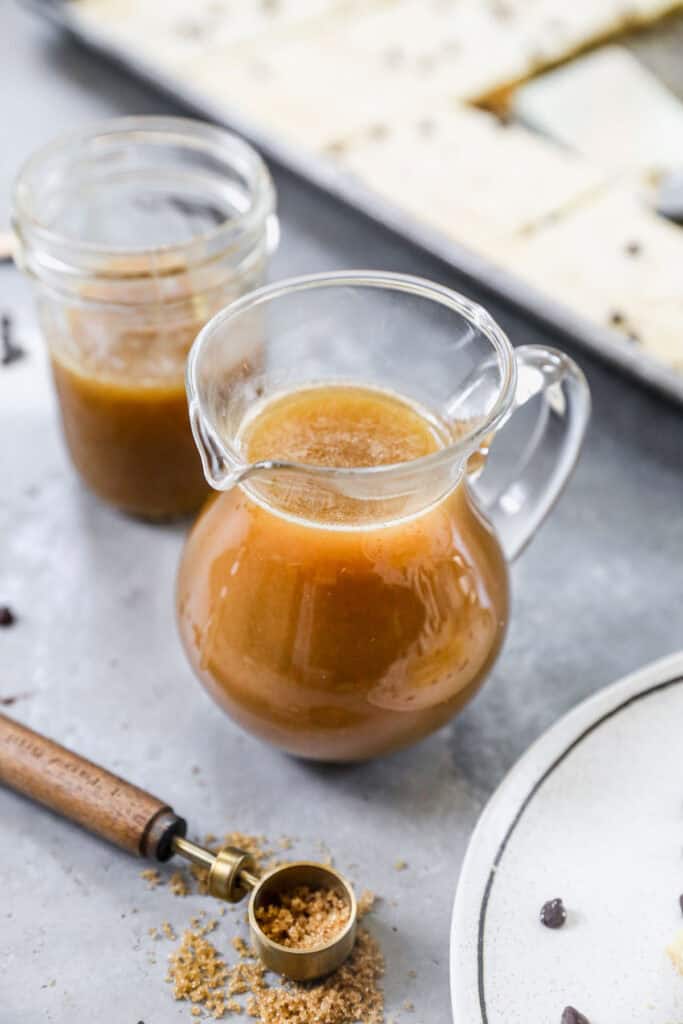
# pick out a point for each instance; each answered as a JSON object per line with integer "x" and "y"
{"x": 311, "y": 963}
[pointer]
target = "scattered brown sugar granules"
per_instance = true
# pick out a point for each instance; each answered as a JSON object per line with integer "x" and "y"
{"x": 349, "y": 995}
{"x": 304, "y": 917}
{"x": 352, "y": 994}
{"x": 365, "y": 902}
{"x": 201, "y": 976}
{"x": 152, "y": 877}
{"x": 241, "y": 948}
{"x": 179, "y": 884}
{"x": 198, "y": 973}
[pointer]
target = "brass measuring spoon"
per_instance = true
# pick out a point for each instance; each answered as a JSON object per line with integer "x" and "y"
{"x": 138, "y": 822}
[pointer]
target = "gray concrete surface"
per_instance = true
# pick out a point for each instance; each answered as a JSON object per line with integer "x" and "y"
{"x": 94, "y": 659}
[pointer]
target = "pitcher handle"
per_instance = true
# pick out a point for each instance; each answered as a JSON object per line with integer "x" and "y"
{"x": 518, "y": 501}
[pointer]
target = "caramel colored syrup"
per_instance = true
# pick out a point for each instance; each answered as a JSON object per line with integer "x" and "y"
{"x": 124, "y": 412}
{"x": 131, "y": 440}
{"x": 333, "y": 642}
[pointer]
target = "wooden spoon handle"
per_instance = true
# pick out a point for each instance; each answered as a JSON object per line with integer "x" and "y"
{"x": 85, "y": 793}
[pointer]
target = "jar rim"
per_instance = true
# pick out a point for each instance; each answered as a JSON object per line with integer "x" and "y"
{"x": 195, "y": 134}
{"x": 171, "y": 305}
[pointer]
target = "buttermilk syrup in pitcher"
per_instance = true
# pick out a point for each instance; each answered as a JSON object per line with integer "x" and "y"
{"x": 346, "y": 591}
{"x": 332, "y": 640}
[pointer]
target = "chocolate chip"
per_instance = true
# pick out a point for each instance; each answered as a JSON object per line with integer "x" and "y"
{"x": 553, "y": 914}
{"x": 10, "y": 350}
{"x": 7, "y": 616}
{"x": 426, "y": 62}
{"x": 336, "y": 148}
{"x": 633, "y": 248}
{"x": 451, "y": 48}
{"x": 8, "y": 702}
{"x": 572, "y": 1016}
{"x": 378, "y": 131}
{"x": 501, "y": 9}
{"x": 616, "y": 318}
{"x": 426, "y": 126}
{"x": 190, "y": 30}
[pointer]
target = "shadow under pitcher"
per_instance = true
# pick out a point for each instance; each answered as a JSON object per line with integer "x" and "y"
{"x": 346, "y": 592}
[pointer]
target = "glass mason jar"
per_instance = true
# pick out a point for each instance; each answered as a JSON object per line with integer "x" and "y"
{"x": 133, "y": 234}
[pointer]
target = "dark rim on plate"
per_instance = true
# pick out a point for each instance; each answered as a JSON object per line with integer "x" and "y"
{"x": 656, "y": 688}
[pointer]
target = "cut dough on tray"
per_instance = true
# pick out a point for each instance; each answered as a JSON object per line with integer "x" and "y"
{"x": 170, "y": 32}
{"x": 617, "y": 263}
{"x": 382, "y": 83}
{"x": 609, "y": 107}
{"x": 319, "y": 83}
{"x": 546, "y": 32}
{"x": 463, "y": 172}
{"x": 316, "y": 70}
{"x": 299, "y": 89}
{"x": 320, "y": 80}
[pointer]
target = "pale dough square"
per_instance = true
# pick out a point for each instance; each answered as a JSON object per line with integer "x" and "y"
{"x": 609, "y": 107}
{"x": 323, "y": 82}
{"x": 616, "y": 262}
{"x": 317, "y": 70}
{"x": 434, "y": 47}
{"x": 467, "y": 175}
{"x": 170, "y": 32}
{"x": 373, "y": 80}
{"x": 545, "y": 32}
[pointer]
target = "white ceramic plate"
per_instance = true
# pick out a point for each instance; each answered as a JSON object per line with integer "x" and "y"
{"x": 592, "y": 813}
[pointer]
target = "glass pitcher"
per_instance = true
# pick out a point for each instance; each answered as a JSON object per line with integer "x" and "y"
{"x": 347, "y": 591}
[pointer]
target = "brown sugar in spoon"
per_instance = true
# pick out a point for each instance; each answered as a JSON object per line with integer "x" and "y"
{"x": 145, "y": 826}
